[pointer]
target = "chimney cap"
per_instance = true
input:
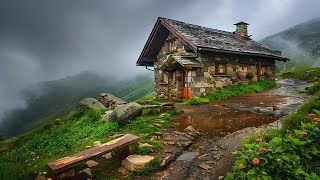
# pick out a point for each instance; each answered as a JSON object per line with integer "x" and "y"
{"x": 241, "y": 23}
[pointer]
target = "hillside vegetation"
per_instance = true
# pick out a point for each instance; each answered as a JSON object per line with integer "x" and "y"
{"x": 50, "y": 100}
{"x": 25, "y": 156}
{"x": 301, "y": 43}
{"x": 291, "y": 152}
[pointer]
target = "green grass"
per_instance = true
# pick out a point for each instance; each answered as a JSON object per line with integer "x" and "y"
{"x": 309, "y": 74}
{"x": 23, "y": 157}
{"x": 231, "y": 91}
{"x": 152, "y": 166}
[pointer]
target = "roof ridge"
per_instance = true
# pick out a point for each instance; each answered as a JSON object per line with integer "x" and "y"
{"x": 164, "y": 18}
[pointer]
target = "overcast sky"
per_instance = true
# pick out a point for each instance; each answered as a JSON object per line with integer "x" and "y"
{"x": 49, "y": 39}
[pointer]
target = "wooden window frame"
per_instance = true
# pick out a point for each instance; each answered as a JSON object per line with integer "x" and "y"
{"x": 165, "y": 77}
{"x": 172, "y": 45}
{"x": 219, "y": 65}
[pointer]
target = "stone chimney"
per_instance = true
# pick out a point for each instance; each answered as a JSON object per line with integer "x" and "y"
{"x": 242, "y": 29}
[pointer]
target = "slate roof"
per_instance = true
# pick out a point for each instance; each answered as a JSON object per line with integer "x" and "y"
{"x": 174, "y": 61}
{"x": 214, "y": 39}
{"x": 185, "y": 61}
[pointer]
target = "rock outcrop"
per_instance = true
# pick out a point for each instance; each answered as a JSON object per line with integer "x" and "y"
{"x": 110, "y": 101}
{"x": 124, "y": 113}
{"x": 92, "y": 104}
{"x": 136, "y": 162}
{"x": 107, "y": 115}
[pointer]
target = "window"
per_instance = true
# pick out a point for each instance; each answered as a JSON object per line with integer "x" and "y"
{"x": 173, "y": 45}
{"x": 220, "y": 68}
{"x": 164, "y": 77}
{"x": 264, "y": 69}
{"x": 244, "y": 67}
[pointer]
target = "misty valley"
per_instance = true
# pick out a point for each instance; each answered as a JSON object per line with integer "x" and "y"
{"x": 96, "y": 90}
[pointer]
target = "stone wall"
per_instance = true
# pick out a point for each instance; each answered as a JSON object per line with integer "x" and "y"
{"x": 206, "y": 79}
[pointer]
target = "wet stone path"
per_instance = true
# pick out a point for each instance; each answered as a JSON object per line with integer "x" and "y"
{"x": 206, "y": 153}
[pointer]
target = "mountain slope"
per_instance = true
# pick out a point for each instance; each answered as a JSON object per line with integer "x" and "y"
{"x": 50, "y": 100}
{"x": 301, "y": 43}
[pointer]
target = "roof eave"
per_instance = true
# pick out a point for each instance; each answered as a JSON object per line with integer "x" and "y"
{"x": 243, "y": 53}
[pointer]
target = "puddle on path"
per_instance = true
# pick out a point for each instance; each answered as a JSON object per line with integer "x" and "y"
{"x": 220, "y": 118}
{"x": 218, "y": 125}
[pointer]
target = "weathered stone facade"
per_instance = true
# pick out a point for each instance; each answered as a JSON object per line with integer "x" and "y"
{"x": 169, "y": 83}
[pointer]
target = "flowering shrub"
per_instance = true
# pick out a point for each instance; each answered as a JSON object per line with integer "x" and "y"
{"x": 249, "y": 74}
{"x": 241, "y": 74}
{"x": 287, "y": 157}
{"x": 269, "y": 74}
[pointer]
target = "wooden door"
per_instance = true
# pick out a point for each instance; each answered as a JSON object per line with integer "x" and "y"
{"x": 186, "y": 84}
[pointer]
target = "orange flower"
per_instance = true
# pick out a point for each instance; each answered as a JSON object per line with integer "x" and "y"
{"x": 303, "y": 133}
{"x": 241, "y": 166}
{"x": 259, "y": 140}
{"x": 256, "y": 161}
{"x": 317, "y": 119}
{"x": 263, "y": 149}
{"x": 258, "y": 131}
{"x": 311, "y": 114}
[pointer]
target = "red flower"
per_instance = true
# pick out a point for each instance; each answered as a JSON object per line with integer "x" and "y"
{"x": 262, "y": 149}
{"x": 303, "y": 133}
{"x": 241, "y": 166}
{"x": 311, "y": 114}
{"x": 256, "y": 161}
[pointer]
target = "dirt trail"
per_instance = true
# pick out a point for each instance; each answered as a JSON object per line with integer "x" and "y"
{"x": 222, "y": 126}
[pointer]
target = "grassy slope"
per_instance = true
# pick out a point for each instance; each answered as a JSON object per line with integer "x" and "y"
{"x": 232, "y": 91}
{"x": 25, "y": 156}
{"x": 54, "y": 99}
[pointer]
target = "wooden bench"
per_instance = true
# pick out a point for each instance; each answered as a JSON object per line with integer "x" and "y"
{"x": 69, "y": 162}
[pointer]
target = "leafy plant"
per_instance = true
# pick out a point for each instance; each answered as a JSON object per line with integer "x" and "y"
{"x": 285, "y": 157}
{"x": 241, "y": 74}
{"x": 249, "y": 74}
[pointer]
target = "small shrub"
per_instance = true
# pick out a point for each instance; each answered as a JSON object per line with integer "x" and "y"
{"x": 314, "y": 88}
{"x": 241, "y": 74}
{"x": 294, "y": 121}
{"x": 249, "y": 74}
{"x": 269, "y": 75}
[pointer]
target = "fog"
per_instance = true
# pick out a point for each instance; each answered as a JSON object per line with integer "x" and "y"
{"x": 43, "y": 40}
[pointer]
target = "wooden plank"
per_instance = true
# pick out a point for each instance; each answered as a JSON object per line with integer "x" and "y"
{"x": 71, "y": 161}
{"x": 150, "y": 106}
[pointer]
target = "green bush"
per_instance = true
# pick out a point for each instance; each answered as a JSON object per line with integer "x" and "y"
{"x": 314, "y": 88}
{"x": 284, "y": 157}
{"x": 294, "y": 121}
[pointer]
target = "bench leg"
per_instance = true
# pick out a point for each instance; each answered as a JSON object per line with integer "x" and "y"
{"x": 132, "y": 148}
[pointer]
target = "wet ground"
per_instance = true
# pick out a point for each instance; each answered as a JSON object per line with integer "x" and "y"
{"x": 223, "y": 125}
{"x": 250, "y": 110}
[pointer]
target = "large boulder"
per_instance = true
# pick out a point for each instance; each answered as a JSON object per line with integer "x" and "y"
{"x": 124, "y": 113}
{"x": 110, "y": 101}
{"x": 92, "y": 104}
{"x": 136, "y": 162}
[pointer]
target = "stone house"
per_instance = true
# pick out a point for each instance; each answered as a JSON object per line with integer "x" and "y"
{"x": 191, "y": 60}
